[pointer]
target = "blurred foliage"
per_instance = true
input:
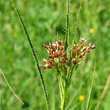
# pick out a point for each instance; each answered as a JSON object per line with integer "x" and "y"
{"x": 43, "y": 19}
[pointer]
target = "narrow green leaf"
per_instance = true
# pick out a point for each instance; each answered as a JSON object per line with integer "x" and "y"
{"x": 78, "y": 16}
{"x": 34, "y": 54}
{"x": 91, "y": 87}
{"x": 67, "y": 37}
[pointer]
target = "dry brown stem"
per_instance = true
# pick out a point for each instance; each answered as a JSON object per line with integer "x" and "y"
{"x": 10, "y": 87}
{"x": 103, "y": 93}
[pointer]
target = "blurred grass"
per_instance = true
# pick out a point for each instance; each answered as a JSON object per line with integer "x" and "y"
{"x": 43, "y": 19}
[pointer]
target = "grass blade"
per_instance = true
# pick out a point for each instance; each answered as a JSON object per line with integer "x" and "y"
{"x": 103, "y": 92}
{"x": 10, "y": 87}
{"x": 89, "y": 96}
{"x": 76, "y": 92}
{"x": 34, "y": 54}
{"x": 78, "y": 16}
{"x": 68, "y": 27}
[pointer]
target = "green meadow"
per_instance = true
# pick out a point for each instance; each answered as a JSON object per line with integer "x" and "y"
{"x": 43, "y": 20}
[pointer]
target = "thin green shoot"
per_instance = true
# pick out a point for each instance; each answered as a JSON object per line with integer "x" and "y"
{"x": 34, "y": 54}
{"x": 91, "y": 87}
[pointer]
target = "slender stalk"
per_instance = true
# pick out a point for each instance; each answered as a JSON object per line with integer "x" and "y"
{"x": 63, "y": 99}
{"x": 63, "y": 89}
{"x": 103, "y": 93}
{"x": 34, "y": 54}
{"x": 76, "y": 92}
{"x": 91, "y": 87}
{"x": 60, "y": 86}
{"x": 68, "y": 27}
{"x": 11, "y": 88}
{"x": 78, "y": 16}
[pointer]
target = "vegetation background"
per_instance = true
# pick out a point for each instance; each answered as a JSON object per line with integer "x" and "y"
{"x": 43, "y": 19}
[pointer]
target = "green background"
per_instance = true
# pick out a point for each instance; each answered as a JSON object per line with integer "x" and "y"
{"x": 43, "y": 19}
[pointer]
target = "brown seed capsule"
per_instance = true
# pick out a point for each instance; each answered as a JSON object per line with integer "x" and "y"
{"x": 42, "y": 67}
{"x": 82, "y": 40}
{"x": 93, "y": 46}
{"x": 74, "y": 60}
{"x": 83, "y": 49}
{"x": 81, "y": 55}
{"x": 45, "y": 61}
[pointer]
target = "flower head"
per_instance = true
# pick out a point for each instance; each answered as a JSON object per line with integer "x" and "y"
{"x": 81, "y": 97}
{"x": 58, "y": 58}
{"x": 22, "y": 3}
{"x": 91, "y": 30}
{"x": 56, "y": 55}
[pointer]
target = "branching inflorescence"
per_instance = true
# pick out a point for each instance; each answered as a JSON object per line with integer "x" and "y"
{"x": 57, "y": 56}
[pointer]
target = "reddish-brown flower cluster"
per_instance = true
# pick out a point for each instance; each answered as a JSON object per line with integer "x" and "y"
{"x": 80, "y": 51}
{"x": 57, "y": 56}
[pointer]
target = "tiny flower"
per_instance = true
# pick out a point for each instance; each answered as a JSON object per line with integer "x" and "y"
{"x": 83, "y": 49}
{"x": 82, "y": 40}
{"x": 45, "y": 61}
{"x": 22, "y": 2}
{"x": 82, "y": 55}
{"x": 74, "y": 60}
{"x": 81, "y": 97}
{"x": 42, "y": 67}
{"x": 91, "y": 30}
{"x": 93, "y": 46}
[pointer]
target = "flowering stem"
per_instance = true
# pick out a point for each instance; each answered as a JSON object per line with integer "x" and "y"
{"x": 68, "y": 29}
{"x": 63, "y": 89}
{"x": 91, "y": 87}
{"x": 63, "y": 98}
{"x": 78, "y": 16}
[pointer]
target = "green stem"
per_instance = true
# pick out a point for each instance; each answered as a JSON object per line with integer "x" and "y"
{"x": 60, "y": 85}
{"x": 63, "y": 89}
{"x": 78, "y": 16}
{"x": 35, "y": 56}
{"x": 68, "y": 28}
{"x": 63, "y": 99}
{"x": 91, "y": 87}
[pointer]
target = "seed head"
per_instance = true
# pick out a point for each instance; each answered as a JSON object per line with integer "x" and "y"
{"x": 58, "y": 58}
